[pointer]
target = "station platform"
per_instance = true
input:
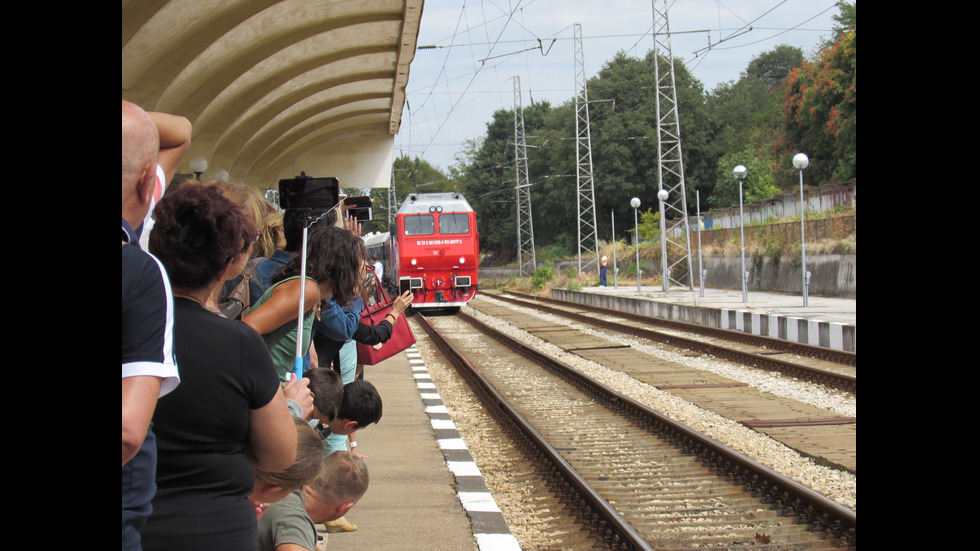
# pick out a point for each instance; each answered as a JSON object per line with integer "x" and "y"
{"x": 426, "y": 493}
{"x": 824, "y": 321}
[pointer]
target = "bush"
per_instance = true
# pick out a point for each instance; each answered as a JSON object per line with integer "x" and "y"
{"x": 541, "y": 276}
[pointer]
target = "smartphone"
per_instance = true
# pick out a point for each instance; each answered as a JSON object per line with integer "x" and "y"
{"x": 361, "y": 207}
{"x": 404, "y": 285}
{"x": 305, "y": 192}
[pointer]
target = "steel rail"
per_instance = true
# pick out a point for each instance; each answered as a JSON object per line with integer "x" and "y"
{"x": 622, "y": 533}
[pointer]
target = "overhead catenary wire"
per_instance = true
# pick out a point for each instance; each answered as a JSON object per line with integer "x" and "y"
{"x": 496, "y": 46}
{"x": 472, "y": 79}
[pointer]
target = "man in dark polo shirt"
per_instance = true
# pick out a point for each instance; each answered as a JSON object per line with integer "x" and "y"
{"x": 148, "y": 367}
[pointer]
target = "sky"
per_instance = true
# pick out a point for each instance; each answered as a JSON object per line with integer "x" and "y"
{"x": 470, "y": 51}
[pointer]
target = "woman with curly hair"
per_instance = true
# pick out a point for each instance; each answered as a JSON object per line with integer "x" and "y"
{"x": 229, "y": 414}
{"x": 334, "y": 268}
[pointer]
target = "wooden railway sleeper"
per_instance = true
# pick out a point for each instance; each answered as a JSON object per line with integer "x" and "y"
{"x": 819, "y": 524}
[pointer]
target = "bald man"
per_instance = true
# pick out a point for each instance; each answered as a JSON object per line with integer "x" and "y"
{"x": 148, "y": 367}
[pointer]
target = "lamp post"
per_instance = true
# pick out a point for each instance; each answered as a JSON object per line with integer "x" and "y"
{"x": 635, "y": 203}
{"x": 615, "y": 265}
{"x": 198, "y": 166}
{"x": 801, "y": 161}
{"x": 701, "y": 270}
{"x": 662, "y": 195}
{"x": 740, "y": 172}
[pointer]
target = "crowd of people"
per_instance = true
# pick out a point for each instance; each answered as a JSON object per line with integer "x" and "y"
{"x": 241, "y": 390}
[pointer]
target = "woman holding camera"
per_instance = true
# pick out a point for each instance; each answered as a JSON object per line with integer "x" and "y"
{"x": 334, "y": 268}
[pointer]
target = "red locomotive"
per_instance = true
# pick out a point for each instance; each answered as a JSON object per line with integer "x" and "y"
{"x": 435, "y": 247}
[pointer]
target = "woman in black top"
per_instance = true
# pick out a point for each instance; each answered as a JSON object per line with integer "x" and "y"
{"x": 229, "y": 414}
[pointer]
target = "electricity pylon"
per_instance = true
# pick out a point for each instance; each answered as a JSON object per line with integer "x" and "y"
{"x": 526, "y": 260}
{"x": 671, "y": 163}
{"x": 585, "y": 196}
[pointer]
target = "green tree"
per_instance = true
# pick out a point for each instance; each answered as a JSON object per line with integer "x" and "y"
{"x": 773, "y": 66}
{"x": 747, "y": 115}
{"x": 846, "y": 21}
{"x": 821, "y": 111}
{"x": 737, "y": 110}
{"x": 552, "y": 176}
{"x": 758, "y": 183}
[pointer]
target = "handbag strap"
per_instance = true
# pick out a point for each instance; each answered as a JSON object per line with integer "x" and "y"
{"x": 381, "y": 302}
{"x": 379, "y": 291}
{"x": 238, "y": 301}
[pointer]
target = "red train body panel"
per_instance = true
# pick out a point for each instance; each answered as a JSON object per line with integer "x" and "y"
{"x": 436, "y": 248}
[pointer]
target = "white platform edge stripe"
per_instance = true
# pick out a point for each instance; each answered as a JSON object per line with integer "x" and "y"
{"x": 497, "y": 542}
{"x": 481, "y": 502}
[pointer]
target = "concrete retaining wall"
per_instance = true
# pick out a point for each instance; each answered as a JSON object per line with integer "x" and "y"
{"x": 831, "y": 275}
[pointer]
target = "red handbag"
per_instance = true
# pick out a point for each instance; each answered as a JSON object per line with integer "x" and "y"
{"x": 401, "y": 338}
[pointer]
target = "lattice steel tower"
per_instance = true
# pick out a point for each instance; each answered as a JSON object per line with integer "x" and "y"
{"x": 526, "y": 260}
{"x": 671, "y": 163}
{"x": 585, "y": 197}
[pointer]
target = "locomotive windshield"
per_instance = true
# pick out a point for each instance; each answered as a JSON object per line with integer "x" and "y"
{"x": 454, "y": 223}
{"x": 421, "y": 224}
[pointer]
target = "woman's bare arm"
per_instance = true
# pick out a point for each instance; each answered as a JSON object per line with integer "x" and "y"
{"x": 282, "y": 307}
{"x": 272, "y": 436}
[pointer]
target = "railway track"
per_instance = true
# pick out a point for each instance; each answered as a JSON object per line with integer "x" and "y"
{"x": 834, "y": 368}
{"x": 810, "y": 428}
{"x": 634, "y": 478}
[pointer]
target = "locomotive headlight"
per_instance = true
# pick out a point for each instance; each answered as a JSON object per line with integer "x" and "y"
{"x": 462, "y": 260}
{"x": 414, "y": 262}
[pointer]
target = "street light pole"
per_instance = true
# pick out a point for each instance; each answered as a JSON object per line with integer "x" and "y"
{"x": 801, "y": 161}
{"x": 615, "y": 265}
{"x": 635, "y": 203}
{"x": 740, "y": 172}
{"x": 701, "y": 271}
{"x": 662, "y": 195}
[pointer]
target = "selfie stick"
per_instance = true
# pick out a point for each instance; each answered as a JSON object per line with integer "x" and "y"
{"x": 298, "y": 362}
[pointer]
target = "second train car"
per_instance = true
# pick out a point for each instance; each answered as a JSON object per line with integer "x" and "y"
{"x": 435, "y": 250}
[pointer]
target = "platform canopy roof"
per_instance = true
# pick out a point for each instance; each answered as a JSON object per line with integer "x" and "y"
{"x": 275, "y": 87}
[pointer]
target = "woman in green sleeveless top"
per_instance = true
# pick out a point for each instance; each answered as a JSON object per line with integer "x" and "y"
{"x": 335, "y": 261}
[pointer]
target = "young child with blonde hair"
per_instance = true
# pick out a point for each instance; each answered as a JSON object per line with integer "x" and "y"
{"x": 342, "y": 481}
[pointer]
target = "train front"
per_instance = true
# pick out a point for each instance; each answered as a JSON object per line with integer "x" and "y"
{"x": 437, "y": 249}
